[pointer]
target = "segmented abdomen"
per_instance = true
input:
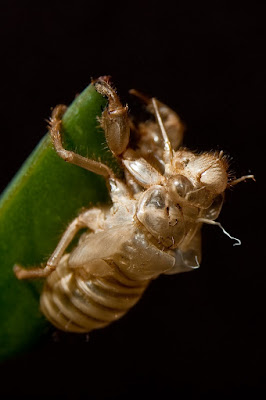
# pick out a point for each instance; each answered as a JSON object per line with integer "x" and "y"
{"x": 76, "y": 305}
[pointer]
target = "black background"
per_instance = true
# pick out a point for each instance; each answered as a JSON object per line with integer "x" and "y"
{"x": 199, "y": 334}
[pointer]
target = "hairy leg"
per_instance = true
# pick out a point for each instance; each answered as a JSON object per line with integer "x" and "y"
{"x": 114, "y": 119}
{"x": 87, "y": 219}
{"x": 70, "y": 156}
{"x": 171, "y": 121}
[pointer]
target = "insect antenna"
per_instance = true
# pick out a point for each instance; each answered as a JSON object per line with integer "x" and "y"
{"x": 241, "y": 179}
{"x": 168, "y": 152}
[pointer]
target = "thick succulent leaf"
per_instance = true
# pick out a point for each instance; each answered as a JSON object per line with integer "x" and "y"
{"x": 44, "y": 196}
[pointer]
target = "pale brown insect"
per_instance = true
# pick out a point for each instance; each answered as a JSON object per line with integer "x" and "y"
{"x": 153, "y": 226}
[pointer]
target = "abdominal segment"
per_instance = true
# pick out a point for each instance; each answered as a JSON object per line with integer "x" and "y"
{"x": 74, "y": 304}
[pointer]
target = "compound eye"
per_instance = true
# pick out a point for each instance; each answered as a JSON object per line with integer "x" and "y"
{"x": 214, "y": 210}
{"x": 182, "y": 185}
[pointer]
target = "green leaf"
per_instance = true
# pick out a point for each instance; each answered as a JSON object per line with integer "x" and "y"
{"x": 44, "y": 196}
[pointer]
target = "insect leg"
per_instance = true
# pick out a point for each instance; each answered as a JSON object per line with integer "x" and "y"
{"x": 114, "y": 120}
{"x": 171, "y": 121}
{"x": 70, "y": 156}
{"x": 188, "y": 257}
{"x": 81, "y": 221}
